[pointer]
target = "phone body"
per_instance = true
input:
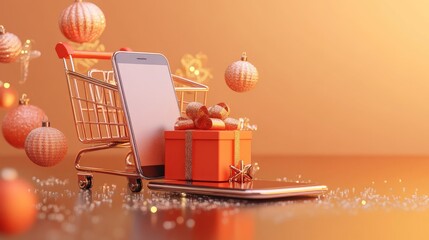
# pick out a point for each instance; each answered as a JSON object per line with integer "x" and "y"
{"x": 150, "y": 106}
{"x": 256, "y": 189}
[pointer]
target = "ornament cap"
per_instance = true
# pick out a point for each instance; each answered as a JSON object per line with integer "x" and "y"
{"x": 2, "y": 29}
{"x": 24, "y": 100}
{"x": 244, "y": 56}
{"x": 46, "y": 123}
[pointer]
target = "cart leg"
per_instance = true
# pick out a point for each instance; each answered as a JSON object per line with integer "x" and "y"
{"x": 135, "y": 184}
{"x": 84, "y": 181}
{"x": 128, "y": 162}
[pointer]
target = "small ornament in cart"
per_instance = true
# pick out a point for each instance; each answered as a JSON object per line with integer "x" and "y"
{"x": 46, "y": 146}
{"x": 193, "y": 68}
{"x": 8, "y": 95}
{"x": 241, "y": 76}
{"x": 18, "y": 122}
{"x": 82, "y": 22}
{"x": 17, "y": 203}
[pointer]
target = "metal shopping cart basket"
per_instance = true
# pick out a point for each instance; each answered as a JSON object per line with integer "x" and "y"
{"x": 99, "y": 117}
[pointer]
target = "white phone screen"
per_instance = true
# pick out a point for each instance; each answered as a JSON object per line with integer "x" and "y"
{"x": 150, "y": 103}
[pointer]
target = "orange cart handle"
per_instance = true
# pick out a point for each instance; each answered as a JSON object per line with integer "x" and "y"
{"x": 64, "y": 50}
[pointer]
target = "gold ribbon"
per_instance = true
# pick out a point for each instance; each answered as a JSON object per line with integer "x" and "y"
{"x": 201, "y": 117}
{"x": 236, "y": 147}
{"x": 220, "y": 110}
{"x": 188, "y": 152}
{"x": 184, "y": 124}
{"x": 188, "y": 155}
{"x": 195, "y": 110}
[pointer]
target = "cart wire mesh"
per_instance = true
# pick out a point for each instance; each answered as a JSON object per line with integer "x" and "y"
{"x": 96, "y": 103}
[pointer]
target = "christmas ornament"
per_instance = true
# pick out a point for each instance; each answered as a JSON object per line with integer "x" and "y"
{"x": 11, "y": 49}
{"x": 17, "y": 203}
{"x": 18, "y": 122}
{"x": 241, "y": 76}
{"x": 46, "y": 146}
{"x": 241, "y": 173}
{"x": 8, "y": 96}
{"x": 82, "y": 22}
{"x": 193, "y": 68}
{"x": 10, "y": 46}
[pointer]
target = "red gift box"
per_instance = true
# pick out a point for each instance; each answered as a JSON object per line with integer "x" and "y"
{"x": 205, "y": 155}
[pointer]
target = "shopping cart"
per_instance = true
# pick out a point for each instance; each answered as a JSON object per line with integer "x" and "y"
{"x": 99, "y": 117}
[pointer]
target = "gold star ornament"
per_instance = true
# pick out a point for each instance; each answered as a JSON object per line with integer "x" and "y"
{"x": 241, "y": 173}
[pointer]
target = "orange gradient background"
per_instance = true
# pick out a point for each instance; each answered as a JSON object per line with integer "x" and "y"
{"x": 336, "y": 77}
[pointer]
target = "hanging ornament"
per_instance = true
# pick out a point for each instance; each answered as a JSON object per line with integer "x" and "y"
{"x": 10, "y": 46}
{"x": 241, "y": 76}
{"x": 17, "y": 203}
{"x": 19, "y": 122}
{"x": 8, "y": 95}
{"x": 82, "y": 22}
{"x": 193, "y": 68}
{"x": 46, "y": 146}
{"x": 11, "y": 50}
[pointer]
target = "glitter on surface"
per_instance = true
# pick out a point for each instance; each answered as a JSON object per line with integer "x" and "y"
{"x": 153, "y": 209}
{"x": 391, "y": 204}
{"x": 180, "y": 212}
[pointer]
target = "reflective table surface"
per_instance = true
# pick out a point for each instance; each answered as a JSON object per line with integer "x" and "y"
{"x": 368, "y": 198}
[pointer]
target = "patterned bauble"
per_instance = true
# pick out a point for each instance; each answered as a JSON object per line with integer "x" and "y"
{"x": 8, "y": 96}
{"x": 10, "y": 46}
{"x": 17, "y": 203}
{"x": 241, "y": 76}
{"x": 82, "y": 22}
{"x": 18, "y": 122}
{"x": 46, "y": 146}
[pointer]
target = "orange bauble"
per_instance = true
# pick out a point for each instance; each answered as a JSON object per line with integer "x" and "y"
{"x": 241, "y": 76}
{"x": 10, "y": 46}
{"x": 8, "y": 97}
{"x": 82, "y": 22}
{"x": 18, "y": 122}
{"x": 17, "y": 204}
{"x": 46, "y": 146}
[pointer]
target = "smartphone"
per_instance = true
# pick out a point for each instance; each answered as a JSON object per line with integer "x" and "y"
{"x": 256, "y": 189}
{"x": 150, "y": 106}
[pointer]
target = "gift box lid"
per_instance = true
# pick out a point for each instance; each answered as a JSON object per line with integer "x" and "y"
{"x": 208, "y": 134}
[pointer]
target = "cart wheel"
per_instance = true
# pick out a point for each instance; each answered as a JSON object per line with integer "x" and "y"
{"x": 84, "y": 181}
{"x": 135, "y": 184}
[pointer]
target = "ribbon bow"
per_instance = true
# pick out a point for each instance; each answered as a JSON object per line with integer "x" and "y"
{"x": 212, "y": 118}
